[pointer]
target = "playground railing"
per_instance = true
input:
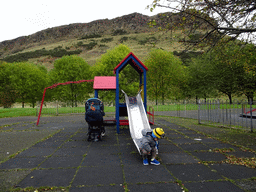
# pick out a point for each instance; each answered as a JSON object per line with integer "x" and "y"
{"x": 238, "y": 115}
{"x": 151, "y": 115}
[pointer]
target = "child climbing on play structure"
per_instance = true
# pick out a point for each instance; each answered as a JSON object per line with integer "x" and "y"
{"x": 148, "y": 144}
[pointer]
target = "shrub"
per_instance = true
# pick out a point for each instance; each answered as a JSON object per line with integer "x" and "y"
{"x": 119, "y": 32}
{"x": 103, "y": 45}
{"x": 196, "y": 36}
{"x": 186, "y": 56}
{"x": 90, "y": 45}
{"x": 106, "y": 40}
{"x": 123, "y": 39}
{"x": 143, "y": 41}
{"x": 94, "y": 35}
{"x": 79, "y": 43}
{"x": 56, "y": 52}
{"x": 150, "y": 40}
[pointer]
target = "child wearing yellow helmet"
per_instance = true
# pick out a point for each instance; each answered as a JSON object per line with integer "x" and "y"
{"x": 148, "y": 144}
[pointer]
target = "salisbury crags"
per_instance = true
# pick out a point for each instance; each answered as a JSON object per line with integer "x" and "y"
{"x": 132, "y": 23}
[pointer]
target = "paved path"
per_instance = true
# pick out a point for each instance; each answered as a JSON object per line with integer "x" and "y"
{"x": 67, "y": 160}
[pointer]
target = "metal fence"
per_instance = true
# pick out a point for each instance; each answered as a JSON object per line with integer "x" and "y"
{"x": 238, "y": 115}
{"x": 56, "y": 108}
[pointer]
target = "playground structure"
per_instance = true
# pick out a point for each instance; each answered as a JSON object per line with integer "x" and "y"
{"x": 141, "y": 69}
{"x": 134, "y": 108}
{"x": 112, "y": 83}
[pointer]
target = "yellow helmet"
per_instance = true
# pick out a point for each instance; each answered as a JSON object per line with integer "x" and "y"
{"x": 159, "y": 133}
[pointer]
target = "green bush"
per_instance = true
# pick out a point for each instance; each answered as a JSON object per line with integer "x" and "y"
{"x": 123, "y": 39}
{"x": 119, "y": 32}
{"x": 142, "y": 41}
{"x": 80, "y": 43}
{"x": 150, "y": 40}
{"x": 106, "y": 40}
{"x": 56, "y": 52}
{"x": 196, "y": 36}
{"x": 90, "y": 45}
{"x": 94, "y": 35}
{"x": 186, "y": 56}
{"x": 103, "y": 45}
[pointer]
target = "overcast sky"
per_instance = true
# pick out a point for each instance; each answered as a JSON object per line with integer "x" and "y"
{"x": 25, "y": 17}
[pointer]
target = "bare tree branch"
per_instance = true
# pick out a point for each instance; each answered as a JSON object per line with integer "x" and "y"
{"x": 235, "y": 18}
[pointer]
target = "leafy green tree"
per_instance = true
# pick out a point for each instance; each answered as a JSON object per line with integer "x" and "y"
{"x": 165, "y": 76}
{"x": 247, "y": 57}
{"x": 227, "y": 68}
{"x": 71, "y": 68}
{"x": 129, "y": 78}
{"x": 200, "y": 79}
{"x": 8, "y": 94}
{"x": 107, "y": 62}
{"x": 29, "y": 81}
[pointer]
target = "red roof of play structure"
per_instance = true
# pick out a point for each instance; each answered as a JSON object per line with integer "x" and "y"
{"x": 131, "y": 63}
{"x": 104, "y": 82}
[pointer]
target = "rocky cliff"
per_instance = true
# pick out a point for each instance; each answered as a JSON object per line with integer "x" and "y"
{"x": 132, "y": 23}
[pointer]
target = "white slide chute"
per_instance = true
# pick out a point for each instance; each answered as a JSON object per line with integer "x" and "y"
{"x": 137, "y": 116}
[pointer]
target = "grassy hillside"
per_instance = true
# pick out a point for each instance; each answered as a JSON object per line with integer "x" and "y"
{"x": 91, "y": 49}
{"x": 91, "y": 40}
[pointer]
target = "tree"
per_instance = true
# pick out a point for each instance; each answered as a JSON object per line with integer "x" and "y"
{"x": 200, "y": 79}
{"x": 235, "y": 18}
{"x": 129, "y": 79}
{"x": 107, "y": 62}
{"x": 29, "y": 81}
{"x": 8, "y": 94}
{"x": 71, "y": 68}
{"x": 246, "y": 55}
{"x": 222, "y": 68}
{"x": 165, "y": 75}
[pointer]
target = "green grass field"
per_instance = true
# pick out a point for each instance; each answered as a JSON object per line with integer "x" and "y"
{"x": 17, "y": 112}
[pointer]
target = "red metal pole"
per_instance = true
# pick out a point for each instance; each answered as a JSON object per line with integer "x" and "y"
{"x": 54, "y": 86}
{"x": 41, "y": 107}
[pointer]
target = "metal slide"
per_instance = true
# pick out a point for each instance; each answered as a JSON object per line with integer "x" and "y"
{"x": 137, "y": 116}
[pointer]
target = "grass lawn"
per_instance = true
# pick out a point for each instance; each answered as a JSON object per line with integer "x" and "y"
{"x": 18, "y": 112}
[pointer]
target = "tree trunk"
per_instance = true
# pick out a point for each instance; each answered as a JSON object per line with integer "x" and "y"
{"x": 75, "y": 100}
{"x": 72, "y": 99}
{"x": 162, "y": 87}
{"x": 250, "y": 99}
{"x": 156, "y": 94}
{"x": 162, "y": 98}
{"x": 230, "y": 98}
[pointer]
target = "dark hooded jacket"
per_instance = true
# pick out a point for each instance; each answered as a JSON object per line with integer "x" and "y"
{"x": 93, "y": 116}
{"x": 147, "y": 142}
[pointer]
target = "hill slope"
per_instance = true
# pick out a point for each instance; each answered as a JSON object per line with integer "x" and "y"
{"x": 90, "y": 40}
